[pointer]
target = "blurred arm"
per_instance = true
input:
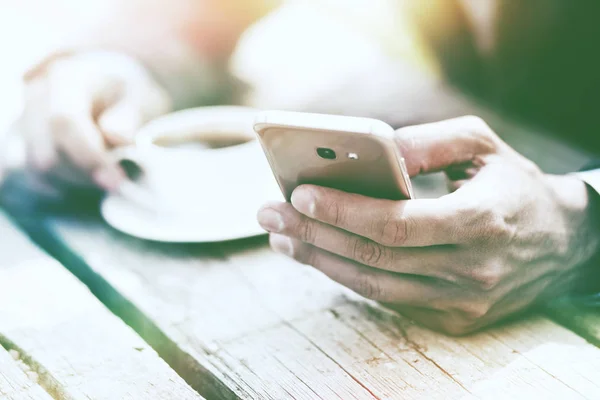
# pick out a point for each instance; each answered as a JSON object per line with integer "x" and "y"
{"x": 185, "y": 43}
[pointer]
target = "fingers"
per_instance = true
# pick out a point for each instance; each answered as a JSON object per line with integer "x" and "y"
{"x": 120, "y": 122}
{"x": 282, "y": 218}
{"x": 472, "y": 313}
{"x": 75, "y": 139}
{"x": 81, "y": 106}
{"x": 371, "y": 283}
{"x": 33, "y": 128}
{"x": 78, "y": 140}
{"x": 436, "y": 146}
{"x": 410, "y": 223}
{"x": 70, "y": 119}
{"x": 74, "y": 133}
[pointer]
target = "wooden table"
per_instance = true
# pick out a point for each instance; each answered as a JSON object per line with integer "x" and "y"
{"x": 234, "y": 320}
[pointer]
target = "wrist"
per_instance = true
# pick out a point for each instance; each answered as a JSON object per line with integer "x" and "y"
{"x": 579, "y": 205}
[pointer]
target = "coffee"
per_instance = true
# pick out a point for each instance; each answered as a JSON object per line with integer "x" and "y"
{"x": 216, "y": 141}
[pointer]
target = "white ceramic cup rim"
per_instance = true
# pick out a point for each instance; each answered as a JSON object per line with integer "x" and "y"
{"x": 201, "y": 124}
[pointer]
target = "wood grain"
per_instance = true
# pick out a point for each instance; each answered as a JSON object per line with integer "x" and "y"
{"x": 65, "y": 336}
{"x": 17, "y": 381}
{"x": 267, "y": 327}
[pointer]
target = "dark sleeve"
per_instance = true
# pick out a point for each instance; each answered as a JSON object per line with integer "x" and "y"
{"x": 591, "y": 165}
{"x": 590, "y": 295}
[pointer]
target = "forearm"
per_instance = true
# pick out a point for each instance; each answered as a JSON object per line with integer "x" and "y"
{"x": 184, "y": 43}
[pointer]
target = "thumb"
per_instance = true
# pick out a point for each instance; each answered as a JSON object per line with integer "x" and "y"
{"x": 120, "y": 122}
{"x": 436, "y": 146}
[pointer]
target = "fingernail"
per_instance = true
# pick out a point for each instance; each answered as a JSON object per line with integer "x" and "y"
{"x": 282, "y": 244}
{"x": 270, "y": 220}
{"x": 304, "y": 201}
{"x": 108, "y": 178}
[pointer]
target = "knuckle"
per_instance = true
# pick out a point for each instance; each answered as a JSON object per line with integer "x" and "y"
{"x": 495, "y": 226}
{"x": 474, "y": 310}
{"x": 306, "y": 231}
{"x": 394, "y": 231}
{"x": 334, "y": 212}
{"x": 481, "y": 131}
{"x": 484, "y": 222}
{"x": 367, "y": 252}
{"x": 477, "y": 124}
{"x": 531, "y": 168}
{"x": 486, "y": 278}
{"x": 368, "y": 286}
{"x": 468, "y": 213}
{"x": 475, "y": 121}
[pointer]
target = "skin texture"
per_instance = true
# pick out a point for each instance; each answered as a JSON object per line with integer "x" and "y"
{"x": 505, "y": 237}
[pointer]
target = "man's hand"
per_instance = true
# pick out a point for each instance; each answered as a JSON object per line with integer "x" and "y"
{"x": 79, "y": 106}
{"x": 507, "y": 235}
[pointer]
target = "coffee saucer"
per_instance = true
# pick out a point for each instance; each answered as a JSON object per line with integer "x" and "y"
{"x": 165, "y": 226}
{"x": 234, "y": 181}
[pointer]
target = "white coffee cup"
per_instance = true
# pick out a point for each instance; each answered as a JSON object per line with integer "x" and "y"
{"x": 193, "y": 180}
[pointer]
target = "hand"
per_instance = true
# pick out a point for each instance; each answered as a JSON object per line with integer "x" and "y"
{"x": 506, "y": 237}
{"x": 79, "y": 106}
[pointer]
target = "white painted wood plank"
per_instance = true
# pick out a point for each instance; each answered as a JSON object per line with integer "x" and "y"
{"x": 524, "y": 359}
{"x": 271, "y": 328}
{"x": 207, "y": 308}
{"x": 63, "y": 333}
{"x": 494, "y": 356}
{"x": 17, "y": 382}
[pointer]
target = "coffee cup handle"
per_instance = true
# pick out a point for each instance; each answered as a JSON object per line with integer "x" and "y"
{"x": 128, "y": 188}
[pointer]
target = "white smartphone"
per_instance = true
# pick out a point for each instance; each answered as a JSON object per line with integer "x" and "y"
{"x": 356, "y": 155}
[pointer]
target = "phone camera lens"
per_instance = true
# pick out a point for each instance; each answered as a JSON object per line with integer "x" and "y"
{"x": 327, "y": 154}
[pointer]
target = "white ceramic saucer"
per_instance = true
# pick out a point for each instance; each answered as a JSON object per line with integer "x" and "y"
{"x": 236, "y": 181}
